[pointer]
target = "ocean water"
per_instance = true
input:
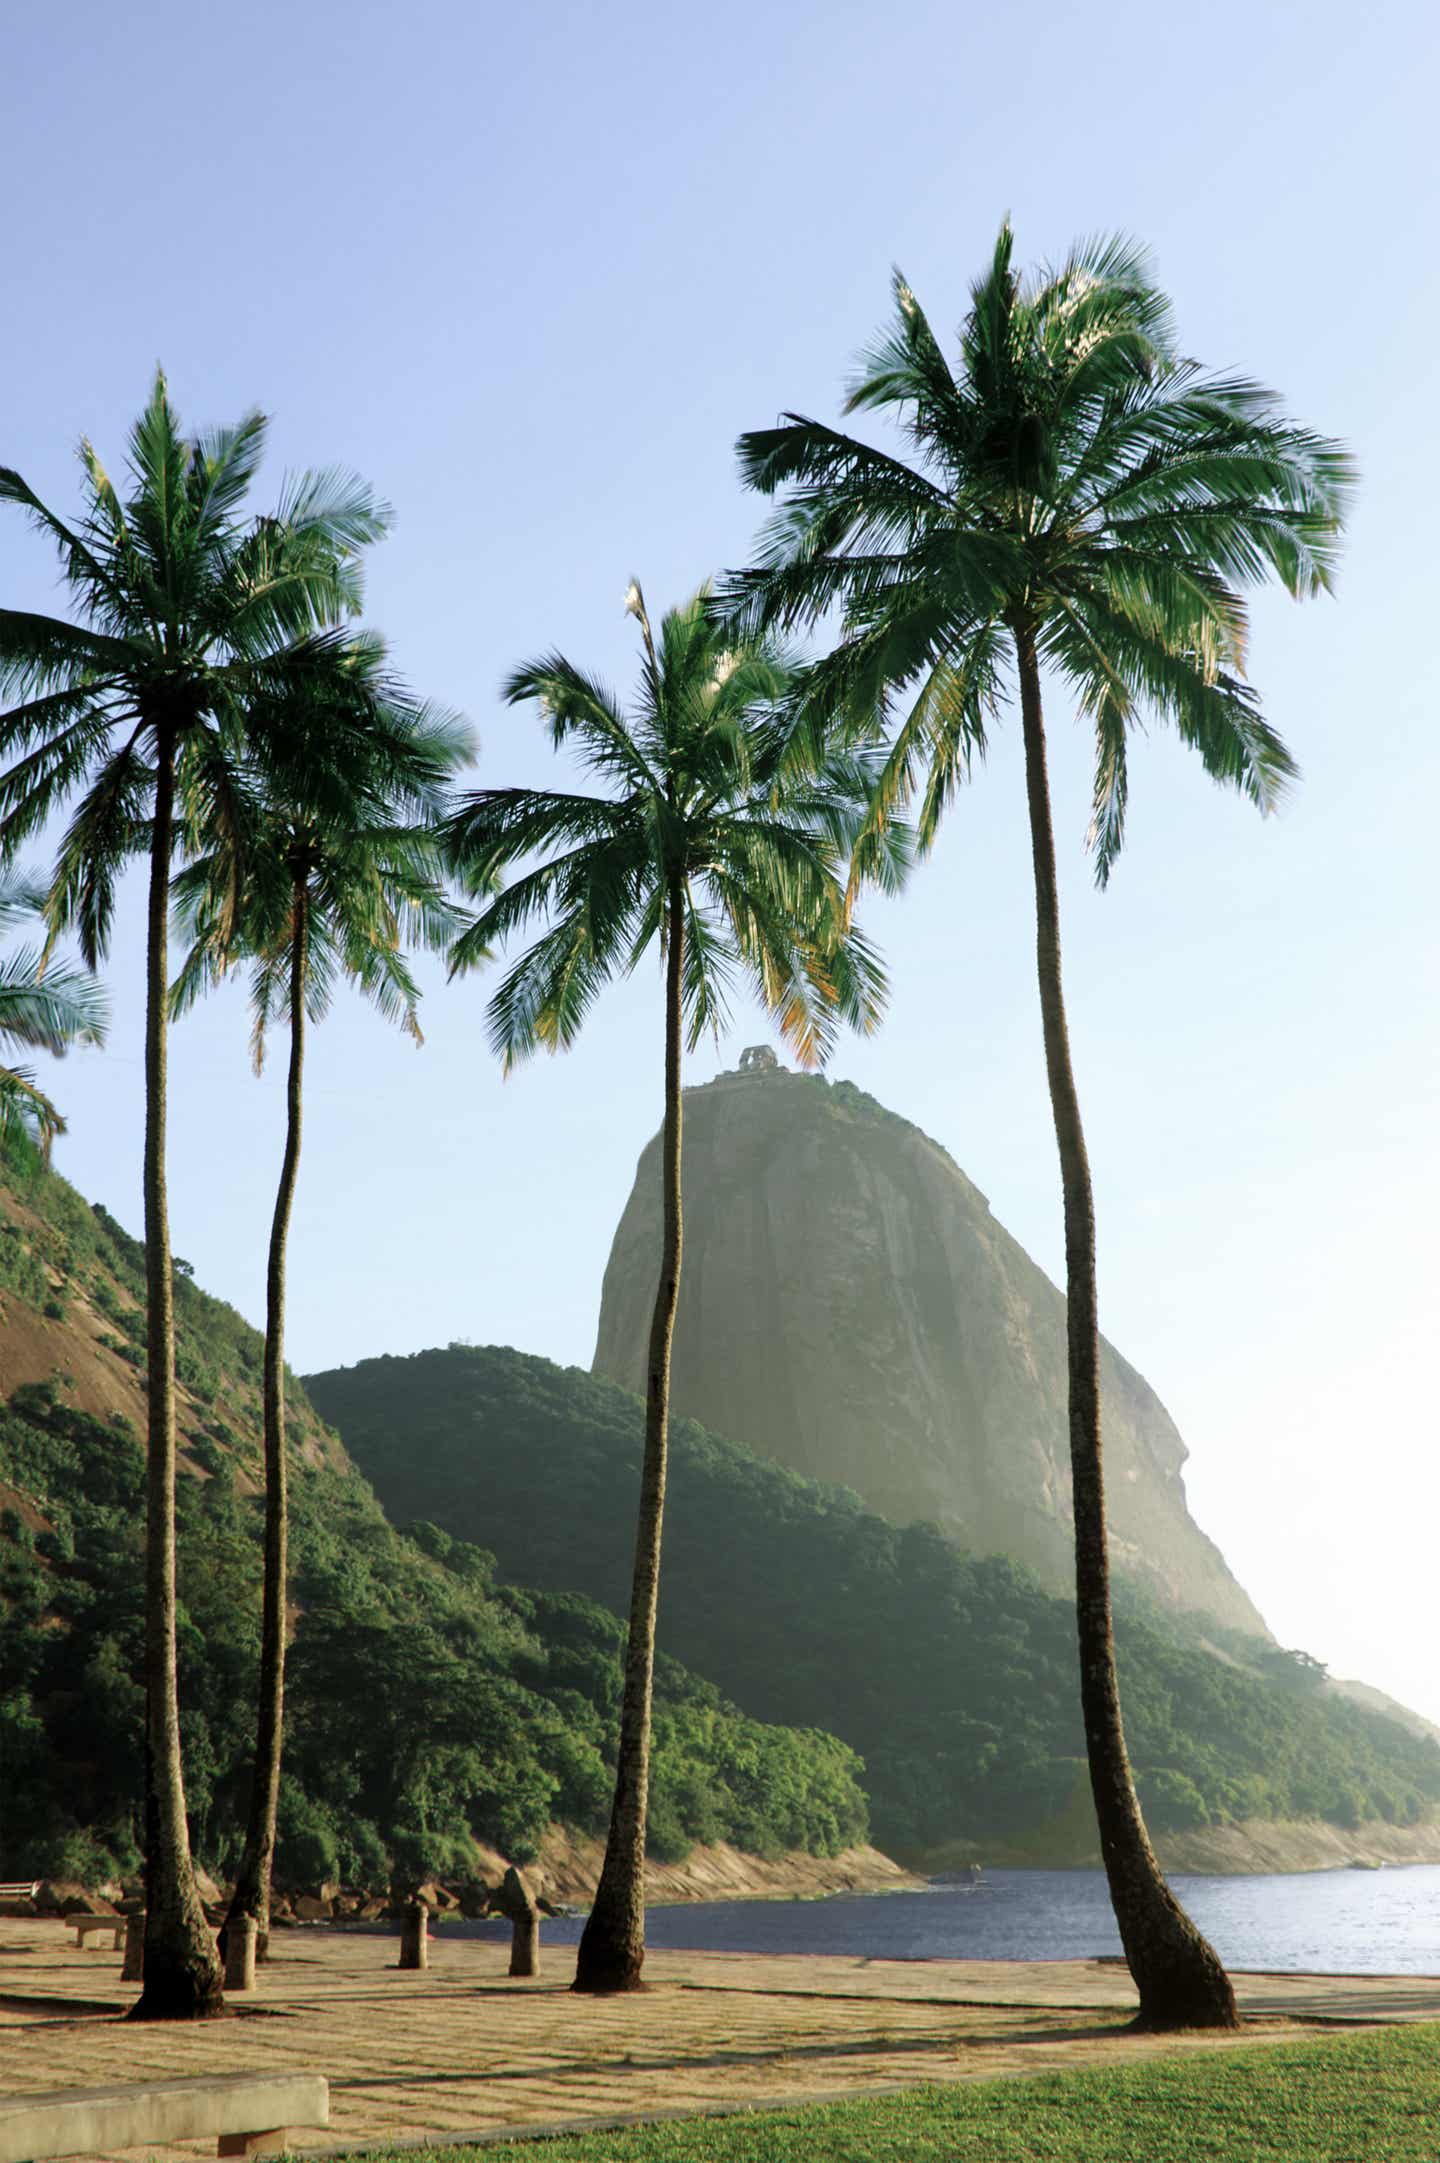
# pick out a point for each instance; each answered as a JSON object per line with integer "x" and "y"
{"x": 1338, "y": 1922}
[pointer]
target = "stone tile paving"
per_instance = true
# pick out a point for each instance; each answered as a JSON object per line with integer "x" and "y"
{"x": 460, "y": 2049}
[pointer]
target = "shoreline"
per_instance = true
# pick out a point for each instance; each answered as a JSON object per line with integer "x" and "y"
{"x": 1257, "y": 1847}
{"x": 568, "y": 1870}
{"x": 1297, "y": 1846}
{"x": 569, "y": 1864}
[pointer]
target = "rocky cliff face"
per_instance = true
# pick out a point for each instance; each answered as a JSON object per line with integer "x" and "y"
{"x": 850, "y": 1307}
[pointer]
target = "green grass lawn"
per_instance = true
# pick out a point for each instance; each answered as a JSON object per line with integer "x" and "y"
{"x": 1372, "y": 2098}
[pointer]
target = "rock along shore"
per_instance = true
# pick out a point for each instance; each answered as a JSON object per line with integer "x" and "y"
{"x": 1256, "y": 1848}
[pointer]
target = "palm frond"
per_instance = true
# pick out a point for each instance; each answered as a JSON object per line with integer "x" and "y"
{"x": 50, "y": 1011}
{"x": 85, "y": 569}
{"x": 45, "y": 653}
{"x": 543, "y": 1001}
{"x": 576, "y": 704}
{"x": 110, "y": 825}
{"x": 27, "y": 1116}
{"x": 21, "y": 894}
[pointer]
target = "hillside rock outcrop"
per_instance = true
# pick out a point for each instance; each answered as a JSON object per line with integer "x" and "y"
{"x": 850, "y": 1307}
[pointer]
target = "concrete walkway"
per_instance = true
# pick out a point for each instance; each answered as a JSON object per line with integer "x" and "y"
{"x": 460, "y": 2050}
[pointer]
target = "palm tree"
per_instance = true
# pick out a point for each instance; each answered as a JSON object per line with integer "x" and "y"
{"x": 186, "y": 617}
{"x": 305, "y": 893}
{"x": 703, "y": 843}
{"x": 45, "y": 1008}
{"x": 1077, "y": 498}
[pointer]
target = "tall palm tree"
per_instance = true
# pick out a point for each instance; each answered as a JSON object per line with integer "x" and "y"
{"x": 186, "y": 616}
{"x": 1077, "y": 498}
{"x": 702, "y": 842}
{"x": 305, "y": 892}
{"x": 45, "y": 1008}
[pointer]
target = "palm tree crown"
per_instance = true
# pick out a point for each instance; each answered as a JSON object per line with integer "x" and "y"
{"x": 1073, "y": 477}
{"x": 701, "y": 805}
{"x": 353, "y": 868}
{"x": 191, "y": 622}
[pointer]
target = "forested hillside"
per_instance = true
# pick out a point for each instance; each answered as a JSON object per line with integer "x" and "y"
{"x": 426, "y": 1704}
{"x": 955, "y": 1678}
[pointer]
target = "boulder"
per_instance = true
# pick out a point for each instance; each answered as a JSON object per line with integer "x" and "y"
{"x": 63, "y": 1896}
{"x": 515, "y": 1900}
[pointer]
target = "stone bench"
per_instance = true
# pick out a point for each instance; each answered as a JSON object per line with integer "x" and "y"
{"x": 89, "y": 1926}
{"x": 246, "y": 2114}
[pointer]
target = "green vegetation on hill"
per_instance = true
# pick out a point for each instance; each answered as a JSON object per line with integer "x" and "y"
{"x": 426, "y": 1704}
{"x": 954, "y": 1677}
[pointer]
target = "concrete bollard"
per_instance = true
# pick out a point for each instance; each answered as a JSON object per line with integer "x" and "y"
{"x": 516, "y": 1901}
{"x": 415, "y": 1936}
{"x": 132, "y": 1968}
{"x": 240, "y": 1940}
{"x": 525, "y": 1945}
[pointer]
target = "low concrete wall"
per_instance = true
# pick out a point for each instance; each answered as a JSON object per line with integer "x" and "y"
{"x": 95, "y": 2121}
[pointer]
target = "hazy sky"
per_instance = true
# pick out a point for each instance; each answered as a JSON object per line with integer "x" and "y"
{"x": 531, "y": 270}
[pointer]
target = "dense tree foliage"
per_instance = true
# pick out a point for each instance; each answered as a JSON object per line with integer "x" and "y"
{"x": 953, "y": 1675}
{"x": 427, "y": 1705}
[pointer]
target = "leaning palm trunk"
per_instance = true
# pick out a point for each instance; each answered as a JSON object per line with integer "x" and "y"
{"x": 1176, "y": 1971}
{"x": 182, "y": 1977}
{"x": 252, "y": 1885}
{"x": 612, "y": 1949}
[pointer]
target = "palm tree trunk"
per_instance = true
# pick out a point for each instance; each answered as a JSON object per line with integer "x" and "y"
{"x": 252, "y": 1885}
{"x": 1176, "y": 1971}
{"x": 612, "y": 1948}
{"x": 182, "y": 1976}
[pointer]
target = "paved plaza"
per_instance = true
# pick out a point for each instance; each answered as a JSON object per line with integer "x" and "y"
{"x": 460, "y": 2051}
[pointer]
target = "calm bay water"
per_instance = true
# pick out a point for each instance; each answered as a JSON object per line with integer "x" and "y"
{"x": 1346, "y": 1922}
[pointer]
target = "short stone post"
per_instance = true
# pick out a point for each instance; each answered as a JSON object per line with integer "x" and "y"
{"x": 132, "y": 1968}
{"x": 241, "y": 1935}
{"x": 415, "y": 1936}
{"x": 516, "y": 1901}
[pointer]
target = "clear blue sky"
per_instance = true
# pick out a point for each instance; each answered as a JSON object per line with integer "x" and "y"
{"x": 531, "y": 270}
